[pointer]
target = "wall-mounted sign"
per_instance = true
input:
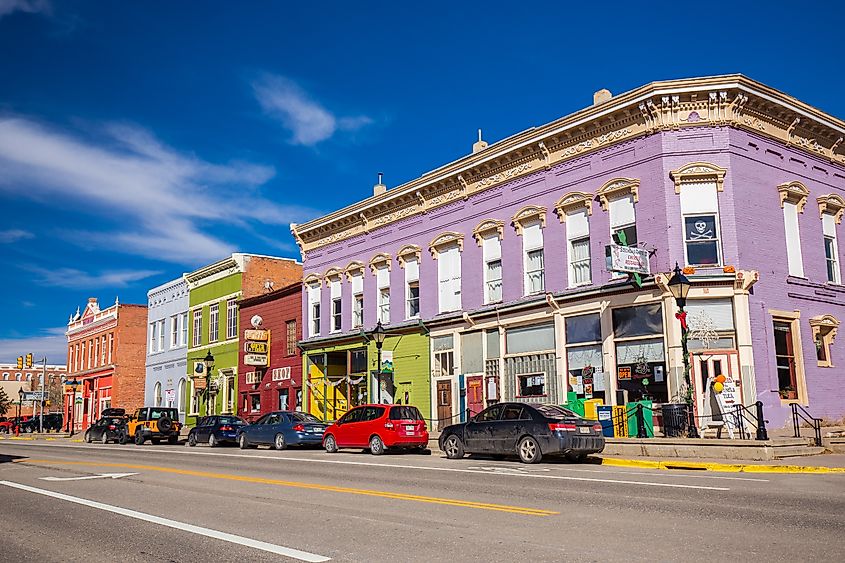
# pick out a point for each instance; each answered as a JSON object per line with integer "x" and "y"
{"x": 628, "y": 259}
{"x": 255, "y": 359}
{"x": 255, "y": 347}
{"x": 625, "y": 372}
{"x": 259, "y": 335}
{"x": 170, "y": 394}
{"x": 281, "y": 374}
{"x": 387, "y": 361}
{"x": 252, "y": 378}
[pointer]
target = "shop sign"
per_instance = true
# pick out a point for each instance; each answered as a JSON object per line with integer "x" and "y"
{"x": 281, "y": 374}
{"x": 199, "y": 383}
{"x": 628, "y": 259}
{"x": 260, "y": 335}
{"x": 255, "y": 347}
{"x": 252, "y": 378}
{"x": 387, "y": 361}
{"x": 624, "y": 373}
{"x": 255, "y": 359}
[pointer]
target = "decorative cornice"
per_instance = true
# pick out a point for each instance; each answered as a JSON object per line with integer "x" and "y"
{"x": 486, "y": 227}
{"x": 825, "y": 321}
{"x": 831, "y": 204}
{"x": 353, "y": 268}
{"x": 528, "y": 213}
{"x": 444, "y": 239}
{"x": 573, "y": 201}
{"x": 312, "y": 279}
{"x": 408, "y": 252}
{"x": 698, "y": 172}
{"x": 380, "y": 259}
{"x": 717, "y": 101}
{"x": 794, "y": 192}
{"x": 616, "y": 188}
{"x": 333, "y": 272}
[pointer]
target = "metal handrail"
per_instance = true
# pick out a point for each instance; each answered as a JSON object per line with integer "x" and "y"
{"x": 816, "y": 423}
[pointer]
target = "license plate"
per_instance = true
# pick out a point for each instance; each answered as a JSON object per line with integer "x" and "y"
{"x": 409, "y": 428}
{"x": 583, "y": 430}
{"x": 317, "y": 430}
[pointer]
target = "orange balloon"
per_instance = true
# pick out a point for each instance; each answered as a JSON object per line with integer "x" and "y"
{"x": 720, "y": 379}
{"x": 718, "y": 387}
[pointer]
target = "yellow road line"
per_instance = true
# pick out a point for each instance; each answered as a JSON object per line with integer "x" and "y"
{"x": 312, "y": 486}
{"x": 723, "y": 467}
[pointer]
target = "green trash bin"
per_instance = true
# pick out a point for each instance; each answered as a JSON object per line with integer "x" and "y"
{"x": 576, "y": 405}
{"x": 648, "y": 418}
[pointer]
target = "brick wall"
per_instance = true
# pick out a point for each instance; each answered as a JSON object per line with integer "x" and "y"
{"x": 129, "y": 357}
{"x": 259, "y": 269}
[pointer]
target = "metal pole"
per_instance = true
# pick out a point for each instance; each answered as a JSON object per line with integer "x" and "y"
{"x": 378, "y": 371}
{"x": 761, "y": 422}
{"x": 43, "y": 379}
{"x": 641, "y": 431}
{"x": 692, "y": 431}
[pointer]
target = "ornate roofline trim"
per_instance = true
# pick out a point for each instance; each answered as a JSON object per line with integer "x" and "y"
{"x": 311, "y": 279}
{"x": 408, "y": 252}
{"x": 831, "y": 204}
{"x": 573, "y": 201}
{"x": 333, "y": 272}
{"x": 616, "y": 188}
{"x": 486, "y": 227}
{"x": 698, "y": 172}
{"x": 443, "y": 239}
{"x": 382, "y": 258}
{"x": 528, "y": 213}
{"x": 794, "y": 192}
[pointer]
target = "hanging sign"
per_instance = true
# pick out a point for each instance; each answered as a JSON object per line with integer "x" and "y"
{"x": 260, "y": 335}
{"x": 255, "y": 347}
{"x": 625, "y": 372}
{"x": 628, "y": 259}
{"x": 255, "y": 359}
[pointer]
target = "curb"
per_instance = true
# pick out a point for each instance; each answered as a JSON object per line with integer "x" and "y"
{"x": 724, "y": 467}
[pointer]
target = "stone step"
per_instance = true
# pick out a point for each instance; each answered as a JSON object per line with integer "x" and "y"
{"x": 797, "y": 451}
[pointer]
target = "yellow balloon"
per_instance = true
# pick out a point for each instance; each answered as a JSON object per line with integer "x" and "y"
{"x": 718, "y": 387}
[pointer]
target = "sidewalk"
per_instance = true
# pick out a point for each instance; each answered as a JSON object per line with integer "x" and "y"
{"x": 825, "y": 463}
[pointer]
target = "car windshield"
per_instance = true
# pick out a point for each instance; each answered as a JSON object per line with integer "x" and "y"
{"x": 232, "y": 420}
{"x": 555, "y": 412}
{"x": 158, "y": 413}
{"x": 304, "y": 417}
{"x": 405, "y": 413}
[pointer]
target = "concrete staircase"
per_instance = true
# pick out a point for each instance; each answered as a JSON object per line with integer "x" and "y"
{"x": 794, "y": 447}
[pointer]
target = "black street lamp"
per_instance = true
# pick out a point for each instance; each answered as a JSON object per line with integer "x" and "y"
{"x": 72, "y": 406}
{"x": 20, "y": 407}
{"x": 208, "y": 361}
{"x": 679, "y": 286}
{"x": 378, "y": 335}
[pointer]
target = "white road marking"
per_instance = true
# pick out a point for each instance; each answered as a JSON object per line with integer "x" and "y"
{"x": 199, "y": 530}
{"x": 86, "y": 477}
{"x": 423, "y": 468}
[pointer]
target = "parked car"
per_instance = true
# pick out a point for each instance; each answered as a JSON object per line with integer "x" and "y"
{"x": 378, "y": 427}
{"x": 527, "y": 430}
{"x": 154, "y": 424}
{"x": 214, "y": 430}
{"x": 52, "y": 422}
{"x": 282, "y": 429}
{"x": 8, "y": 426}
{"x": 107, "y": 429}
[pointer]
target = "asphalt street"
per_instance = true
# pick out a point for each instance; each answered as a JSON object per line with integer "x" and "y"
{"x": 175, "y": 503}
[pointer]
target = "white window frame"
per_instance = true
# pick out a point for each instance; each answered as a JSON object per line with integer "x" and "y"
{"x": 617, "y": 225}
{"x": 314, "y": 308}
{"x": 492, "y": 250}
{"x": 717, "y": 239}
{"x": 697, "y": 205}
{"x": 529, "y": 247}
{"x": 183, "y": 329}
{"x": 574, "y": 264}
{"x": 829, "y": 233}
{"x": 174, "y": 331}
{"x": 161, "y": 332}
{"x": 357, "y": 287}
{"x": 231, "y": 319}
{"x": 384, "y": 305}
{"x": 576, "y": 235}
{"x": 197, "y": 325}
{"x": 153, "y": 337}
{"x": 449, "y": 278}
{"x": 336, "y": 304}
{"x": 213, "y": 322}
{"x": 412, "y": 279}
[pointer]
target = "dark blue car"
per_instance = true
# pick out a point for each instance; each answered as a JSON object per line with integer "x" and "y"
{"x": 214, "y": 430}
{"x": 282, "y": 429}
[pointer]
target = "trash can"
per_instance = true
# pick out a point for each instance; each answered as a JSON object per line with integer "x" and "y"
{"x": 605, "y": 414}
{"x": 576, "y": 406}
{"x": 675, "y": 419}
{"x": 648, "y": 418}
{"x": 590, "y": 406}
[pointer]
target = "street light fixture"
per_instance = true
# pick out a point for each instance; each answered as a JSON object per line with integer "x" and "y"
{"x": 208, "y": 361}
{"x": 20, "y": 407}
{"x": 378, "y": 335}
{"x": 679, "y": 286}
{"x": 72, "y": 406}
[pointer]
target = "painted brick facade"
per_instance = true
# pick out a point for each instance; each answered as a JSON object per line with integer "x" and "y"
{"x": 166, "y": 380}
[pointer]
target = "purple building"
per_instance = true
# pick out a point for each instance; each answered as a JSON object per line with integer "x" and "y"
{"x": 515, "y": 260}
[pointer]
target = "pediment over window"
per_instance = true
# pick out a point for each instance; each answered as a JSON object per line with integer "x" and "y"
{"x": 526, "y": 214}
{"x": 831, "y": 204}
{"x": 333, "y": 274}
{"x": 697, "y": 172}
{"x": 616, "y": 188}
{"x": 573, "y": 201}
{"x": 824, "y": 321}
{"x": 313, "y": 279}
{"x": 794, "y": 192}
{"x": 354, "y": 268}
{"x": 408, "y": 252}
{"x": 379, "y": 260}
{"x": 488, "y": 227}
{"x": 445, "y": 239}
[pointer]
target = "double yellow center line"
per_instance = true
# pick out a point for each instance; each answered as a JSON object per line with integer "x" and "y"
{"x": 311, "y": 486}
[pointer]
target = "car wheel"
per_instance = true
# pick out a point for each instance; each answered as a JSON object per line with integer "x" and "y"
{"x": 453, "y": 447}
{"x": 87, "y": 438}
{"x": 122, "y": 438}
{"x": 30, "y": 429}
{"x": 105, "y": 438}
{"x": 192, "y": 440}
{"x": 376, "y": 446}
{"x": 576, "y": 457}
{"x": 242, "y": 442}
{"x": 212, "y": 441}
{"x": 529, "y": 450}
{"x": 155, "y": 441}
{"x": 173, "y": 439}
{"x": 279, "y": 442}
{"x": 330, "y": 444}
{"x": 139, "y": 438}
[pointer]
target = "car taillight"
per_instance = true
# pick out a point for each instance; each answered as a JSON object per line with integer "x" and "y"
{"x": 561, "y": 426}
{"x": 112, "y": 426}
{"x": 597, "y": 427}
{"x": 299, "y": 428}
{"x": 388, "y": 425}
{"x": 226, "y": 428}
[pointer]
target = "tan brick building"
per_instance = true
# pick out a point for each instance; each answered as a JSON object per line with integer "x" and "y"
{"x": 106, "y": 355}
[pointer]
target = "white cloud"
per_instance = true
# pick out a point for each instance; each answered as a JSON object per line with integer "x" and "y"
{"x": 308, "y": 121}
{"x": 14, "y": 235}
{"x": 163, "y": 199}
{"x": 50, "y": 342}
{"x": 72, "y": 278}
{"x": 32, "y": 6}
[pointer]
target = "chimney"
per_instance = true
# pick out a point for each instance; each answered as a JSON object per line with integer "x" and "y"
{"x": 601, "y": 96}
{"x": 479, "y": 145}
{"x": 379, "y": 188}
{"x": 92, "y": 300}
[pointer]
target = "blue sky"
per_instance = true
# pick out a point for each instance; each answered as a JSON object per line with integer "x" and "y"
{"x": 142, "y": 140}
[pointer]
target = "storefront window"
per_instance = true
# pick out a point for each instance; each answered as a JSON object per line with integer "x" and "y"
{"x": 532, "y": 385}
{"x": 584, "y": 356}
{"x": 255, "y": 402}
{"x": 640, "y": 353}
{"x": 785, "y": 358}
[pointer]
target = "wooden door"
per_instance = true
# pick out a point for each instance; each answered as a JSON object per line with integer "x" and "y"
{"x": 475, "y": 394}
{"x": 444, "y": 403}
{"x": 709, "y": 364}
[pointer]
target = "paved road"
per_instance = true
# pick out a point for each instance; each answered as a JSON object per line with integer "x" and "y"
{"x": 308, "y": 505}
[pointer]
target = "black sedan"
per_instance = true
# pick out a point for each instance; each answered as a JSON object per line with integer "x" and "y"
{"x": 527, "y": 430}
{"x": 215, "y": 430}
{"x": 107, "y": 429}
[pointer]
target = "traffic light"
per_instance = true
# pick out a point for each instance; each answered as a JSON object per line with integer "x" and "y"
{"x": 28, "y": 361}
{"x": 20, "y": 362}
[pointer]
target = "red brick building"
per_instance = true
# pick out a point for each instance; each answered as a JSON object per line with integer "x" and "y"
{"x": 278, "y": 385}
{"x": 106, "y": 354}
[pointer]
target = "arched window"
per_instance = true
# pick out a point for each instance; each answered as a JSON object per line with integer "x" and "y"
{"x": 157, "y": 394}
{"x": 17, "y": 377}
{"x": 5, "y": 377}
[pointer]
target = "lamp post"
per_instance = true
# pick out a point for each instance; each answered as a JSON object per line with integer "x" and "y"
{"x": 378, "y": 335}
{"x": 208, "y": 361}
{"x": 20, "y": 407}
{"x": 72, "y": 406}
{"x": 679, "y": 286}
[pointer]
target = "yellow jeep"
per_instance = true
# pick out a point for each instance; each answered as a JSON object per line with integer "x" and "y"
{"x": 154, "y": 424}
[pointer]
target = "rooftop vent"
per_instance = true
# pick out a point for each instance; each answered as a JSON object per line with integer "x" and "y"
{"x": 379, "y": 188}
{"x": 601, "y": 96}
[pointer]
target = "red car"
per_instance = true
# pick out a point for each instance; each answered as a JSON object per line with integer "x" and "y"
{"x": 378, "y": 427}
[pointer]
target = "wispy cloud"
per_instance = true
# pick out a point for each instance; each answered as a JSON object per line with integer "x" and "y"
{"x": 72, "y": 278}
{"x": 163, "y": 199}
{"x": 31, "y": 6}
{"x": 50, "y": 342}
{"x": 308, "y": 121}
{"x": 14, "y": 235}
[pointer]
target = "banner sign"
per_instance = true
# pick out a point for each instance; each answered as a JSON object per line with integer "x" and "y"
{"x": 629, "y": 259}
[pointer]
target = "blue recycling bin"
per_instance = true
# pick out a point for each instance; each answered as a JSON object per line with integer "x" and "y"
{"x": 605, "y": 415}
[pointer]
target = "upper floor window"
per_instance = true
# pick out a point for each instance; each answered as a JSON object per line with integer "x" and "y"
{"x": 412, "y": 288}
{"x": 183, "y": 329}
{"x": 618, "y": 197}
{"x": 214, "y": 322}
{"x": 574, "y": 209}
{"x": 153, "y": 337}
{"x": 489, "y": 234}
{"x": 174, "y": 331}
{"x": 529, "y": 223}
{"x": 314, "y": 308}
{"x": 197, "y": 337}
{"x": 698, "y": 185}
{"x": 824, "y": 329}
{"x": 161, "y": 335}
{"x": 231, "y": 319}
{"x": 831, "y": 208}
{"x": 334, "y": 291}
{"x": 356, "y": 278}
{"x": 793, "y": 198}
{"x": 383, "y": 284}
{"x": 290, "y": 333}
{"x": 446, "y": 249}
